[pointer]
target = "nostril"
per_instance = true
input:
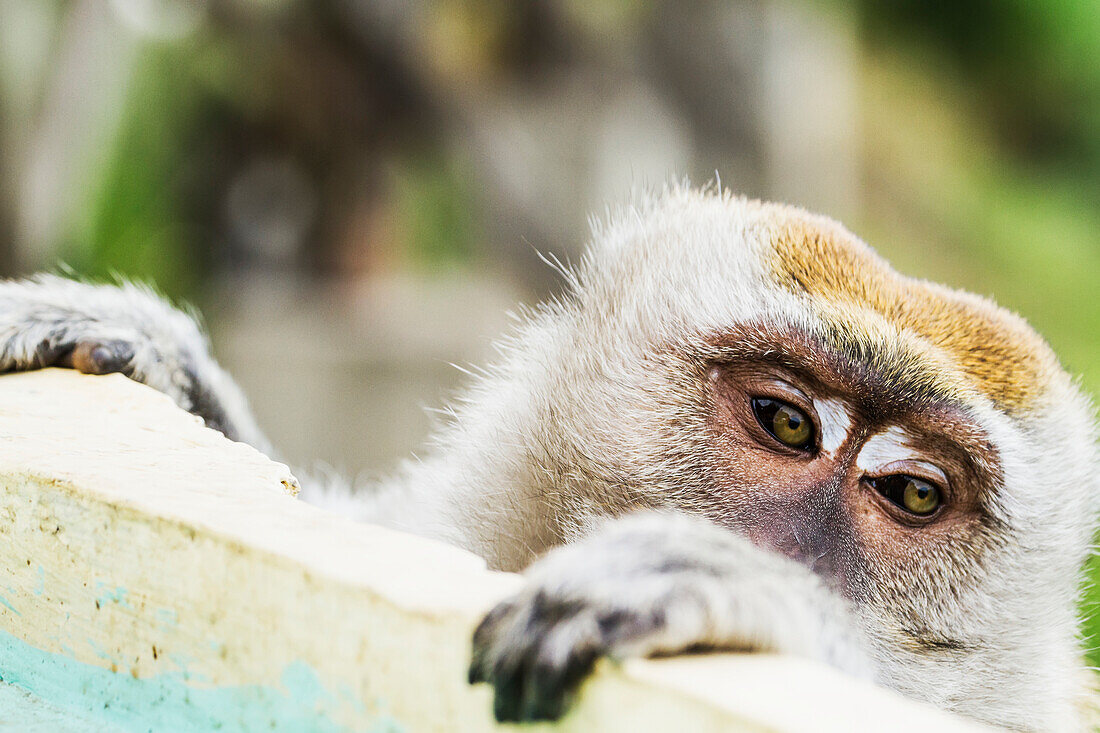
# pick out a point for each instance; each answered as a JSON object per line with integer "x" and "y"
{"x": 822, "y": 562}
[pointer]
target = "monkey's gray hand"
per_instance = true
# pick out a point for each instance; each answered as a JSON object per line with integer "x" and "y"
{"x": 652, "y": 584}
{"x": 99, "y": 329}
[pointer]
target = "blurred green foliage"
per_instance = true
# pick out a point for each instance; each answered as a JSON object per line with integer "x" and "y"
{"x": 132, "y": 222}
{"x": 435, "y": 209}
{"x": 1034, "y": 64}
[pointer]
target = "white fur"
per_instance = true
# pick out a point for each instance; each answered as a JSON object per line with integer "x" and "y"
{"x": 884, "y": 448}
{"x": 836, "y": 424}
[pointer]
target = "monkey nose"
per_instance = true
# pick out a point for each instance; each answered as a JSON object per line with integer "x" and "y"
{"x": 812, "y": 546}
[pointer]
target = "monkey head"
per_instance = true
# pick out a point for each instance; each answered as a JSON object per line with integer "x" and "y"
{"x": 918, "y": 447}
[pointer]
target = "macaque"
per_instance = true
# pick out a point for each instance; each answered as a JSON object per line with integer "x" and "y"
{"x": 738, "y": 429}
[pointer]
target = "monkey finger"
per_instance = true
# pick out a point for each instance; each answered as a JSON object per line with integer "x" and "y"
{"x": 482, "y": 642}
{"x": 477, "y": 672}
{"x": 99, "y": 357}
{"x": 507, "y": 680}
{"x": 561, "y": 664}
{"x": 481, "y": 664}
{"x": 513, "y": 655}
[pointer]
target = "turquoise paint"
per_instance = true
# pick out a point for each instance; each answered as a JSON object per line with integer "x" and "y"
{"x": 383, "y": 721}
{"x": 183, "y": 661}
{"x": 114, "y": 595}
{"x": 348, "y": 696}
{"x": 100, "y": 651}
{"x": 166, "y": 702}
{"x": 22, "y": 711}
{"x": 40, "y": 586}
{"x": 167, "y": 617}
{"x": 386, "y": 724}
{"x": 4, "y": 602}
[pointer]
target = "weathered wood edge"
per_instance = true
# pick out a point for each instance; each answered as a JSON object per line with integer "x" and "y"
{"x": 159, "y": 577}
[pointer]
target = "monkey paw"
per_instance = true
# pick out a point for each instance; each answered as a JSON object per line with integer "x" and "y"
{"x": 535, "y": 650}
{"x": 609, "y": 595}
{"x": 93, "y": 347}
{"x": 100, "y": 329}
{"x": 93, "y": 356}
{"x": 652, "y": 584}
{"x": 96, "y": 329}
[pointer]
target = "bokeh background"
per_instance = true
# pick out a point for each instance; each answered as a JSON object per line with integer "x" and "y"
{"x": 354, "y": 192}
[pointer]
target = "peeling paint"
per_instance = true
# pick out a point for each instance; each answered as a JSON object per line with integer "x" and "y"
{"x": 167, "y": 617}
{"x": 299, "y": 702}
{"x": 111, "y": 595}
{"x": 4, "y": 602}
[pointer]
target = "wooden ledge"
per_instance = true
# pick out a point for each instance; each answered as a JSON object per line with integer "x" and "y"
{"x": 159, "y": 576}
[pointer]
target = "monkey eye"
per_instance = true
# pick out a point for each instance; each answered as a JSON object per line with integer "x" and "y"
{"x": 912, "y": 494}
{"x": 786, "y": 423}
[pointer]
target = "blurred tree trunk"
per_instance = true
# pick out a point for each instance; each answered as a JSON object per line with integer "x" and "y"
{"x": 7, "y": 214}
{"x": 7, "y": 237}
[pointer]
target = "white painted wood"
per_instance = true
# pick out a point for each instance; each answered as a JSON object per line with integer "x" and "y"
{"x": 158, "y": 576}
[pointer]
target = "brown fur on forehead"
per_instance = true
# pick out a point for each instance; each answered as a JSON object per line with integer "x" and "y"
{"x": 996, "y": 352}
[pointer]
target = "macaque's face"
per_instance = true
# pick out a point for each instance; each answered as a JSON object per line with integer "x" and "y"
{"x": 840, "y": 466}
{"x": 919, "y": 447}
{"x": 856, "y": 435}
{"x": 903, "y": 439}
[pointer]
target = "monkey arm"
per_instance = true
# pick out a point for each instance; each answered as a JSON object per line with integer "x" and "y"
{"x": 653, "y": 584}
{"x": 97, "y": 329}
{"x": 50, "y": 321}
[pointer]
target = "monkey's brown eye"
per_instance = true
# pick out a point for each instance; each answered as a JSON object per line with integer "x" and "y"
{"x": 789, "y": 425}
{"x": 911, "y": 494}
